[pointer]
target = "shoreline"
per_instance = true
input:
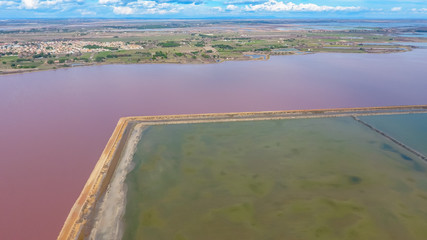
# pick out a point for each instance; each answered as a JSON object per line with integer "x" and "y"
{"x": 79, "y": 219}
{"x": 75, "y": 224}
{"x": 111, "y": 208}
{"x": 267, "y": 58}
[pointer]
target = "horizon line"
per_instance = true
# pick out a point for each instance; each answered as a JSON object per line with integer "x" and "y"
{"x": 217, "y": 18}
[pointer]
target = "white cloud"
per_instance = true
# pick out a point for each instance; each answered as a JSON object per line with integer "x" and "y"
{"x": 123, "y": 10}
{"x": 146, "y": 4}
{"x": 396, "y": 9}
{"x": 160, "y": 11}
{"x": 146, "y": 7}
{"x": 108, "y": 1}
{"x": 30, "y": 4}
{"x": 53, "y": 4}
{"x": 232, "y": 7}
{"x": 278, "y": 6}
{"x": 219, "y": 9}
{"x": 86, "y": 12}
{"x": 419, "y": 10}
{"x": 242, "y": 1}
{"x": 7, "y": 3}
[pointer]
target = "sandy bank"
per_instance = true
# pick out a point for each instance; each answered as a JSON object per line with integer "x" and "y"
{"x": 76, "y": 224}
{"x": 108, "y": 218}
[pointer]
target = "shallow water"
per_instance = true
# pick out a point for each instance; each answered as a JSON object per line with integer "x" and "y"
{"x": 410, "y": 129}
{"x": 255, "y": 56}
{"x": 414, "y": 44}
{"x": 418, "y": 34}
{"x": 348, "y": 25}
{"x": 54, "y": 124}
{"x": 330, "y": 178}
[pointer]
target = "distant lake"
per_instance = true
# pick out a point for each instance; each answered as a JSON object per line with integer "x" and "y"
{"x": 417, "y": 34}
{"x": 55, "y": 124}
{"x": 255, "y": 56}
{"x": 346, "y": 25}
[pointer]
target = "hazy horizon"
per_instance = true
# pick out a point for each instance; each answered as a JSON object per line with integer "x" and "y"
{"x": 219, "y": 18}
{"x": 168, "y": 9}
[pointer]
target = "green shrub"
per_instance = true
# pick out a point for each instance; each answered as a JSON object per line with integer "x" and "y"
{"x": 200, "y": 44}
{"x": 160, "y": 54}
{"x": 223, "y": 46}
{"x": 262, "y": 50}
{"x": 92, "y": 46}
{"x": 99, "y": 59}
{"x": 169, "y": 44}
{"x": 29, "y": 66}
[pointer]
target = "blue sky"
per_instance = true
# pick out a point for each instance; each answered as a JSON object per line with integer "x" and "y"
{"x": 216, "y": 8}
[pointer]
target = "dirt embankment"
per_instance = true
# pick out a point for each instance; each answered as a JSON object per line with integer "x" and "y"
{"x": 80, "y": 217}
{"x": 108, "y": 224}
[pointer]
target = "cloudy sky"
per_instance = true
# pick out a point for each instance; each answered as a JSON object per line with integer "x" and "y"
{"x": 216, "y": 8}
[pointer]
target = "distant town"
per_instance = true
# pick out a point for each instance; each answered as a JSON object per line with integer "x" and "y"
{"x": 62, "y": 45}
{"x": 72, "y": 47}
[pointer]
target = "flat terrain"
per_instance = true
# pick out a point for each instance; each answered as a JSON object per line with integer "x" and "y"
{"x": 42, "y": 45}
{"x": 323, "y": 176}
{"x": 56, "y": 123}
{"x": 285, "y": 179}
{"x": 292, "y": 179}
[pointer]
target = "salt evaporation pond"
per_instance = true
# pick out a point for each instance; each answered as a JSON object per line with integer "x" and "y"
{"x": 410, "y": 129}
{"x": 317, "y": 178}
{"x": 54, "y": 124}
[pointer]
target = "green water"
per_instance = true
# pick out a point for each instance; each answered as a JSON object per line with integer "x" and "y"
{"x": 410, "y": 129}
{"x": 327, "y": 178}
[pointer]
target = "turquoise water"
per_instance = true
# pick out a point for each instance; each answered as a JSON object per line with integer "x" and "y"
{"x": 255, "y": 56}
{"x": 418, "y": 34}
{"x": 410, "y": 129}
{"x": 326, "y": 178}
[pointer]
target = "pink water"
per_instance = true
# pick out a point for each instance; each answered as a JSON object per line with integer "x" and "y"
{"x": 55, "y": 124}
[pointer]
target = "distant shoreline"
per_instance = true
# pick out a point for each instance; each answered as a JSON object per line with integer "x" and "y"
{"x": 28, "y": 47}
{"x": 267, "y": 58}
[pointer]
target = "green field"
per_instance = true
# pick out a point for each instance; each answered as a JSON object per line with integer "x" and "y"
{"x": 191, "y": 42}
